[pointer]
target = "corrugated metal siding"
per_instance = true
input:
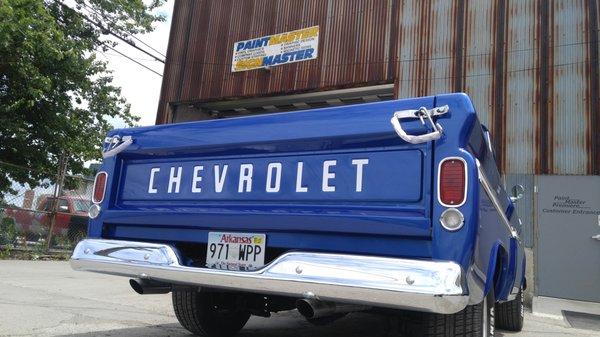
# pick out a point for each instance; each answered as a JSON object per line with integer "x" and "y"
{"x": 521, "y": 87}
{"x": 530, "y": 66}
{"x": 176, "y": 53}
{"x": 206, "y": 30}
{"x": 477, "y": 53}
{"x": 570, "y": 84}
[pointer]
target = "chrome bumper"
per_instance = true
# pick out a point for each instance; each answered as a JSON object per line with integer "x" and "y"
{"x": 375, "y": 281}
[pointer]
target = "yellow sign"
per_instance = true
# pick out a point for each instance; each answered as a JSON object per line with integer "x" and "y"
{"x": 273, "y": 50}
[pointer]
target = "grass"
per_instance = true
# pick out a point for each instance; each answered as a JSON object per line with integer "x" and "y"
{"x": 38, "y": 252}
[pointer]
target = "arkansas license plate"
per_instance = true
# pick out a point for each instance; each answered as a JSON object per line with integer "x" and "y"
{"x": 235, "y": 251}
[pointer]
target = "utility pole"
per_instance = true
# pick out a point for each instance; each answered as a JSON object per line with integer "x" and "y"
{"x": 60, "y": 179}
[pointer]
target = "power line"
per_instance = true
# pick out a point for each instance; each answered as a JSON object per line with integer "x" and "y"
{"x": 131, "y": 59}
{"x": 229, "y": 78}
{"x": 147, "y": 45}
{"x": 107, "y": 45}
{"x": 135, "y": 58}
{"x": 91, "y": 9}
{"x": 105, "y": 29}
{"x": 509, "y": 53}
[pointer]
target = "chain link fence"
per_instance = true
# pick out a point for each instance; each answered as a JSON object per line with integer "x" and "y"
{"x": 46, "y": 216}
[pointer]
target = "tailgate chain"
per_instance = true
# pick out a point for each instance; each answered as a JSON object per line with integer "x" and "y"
{"x": 422, "y": 113}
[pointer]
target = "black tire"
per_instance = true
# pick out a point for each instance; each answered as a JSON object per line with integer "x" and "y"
{"x": 474, "y": 321}
{"x": 510, "y": 314}
{"x": 212, "y": 314}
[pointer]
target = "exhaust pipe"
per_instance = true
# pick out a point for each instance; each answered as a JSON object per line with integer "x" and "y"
{"x": 311, "y": 308}
{"x": 148, "y": 287}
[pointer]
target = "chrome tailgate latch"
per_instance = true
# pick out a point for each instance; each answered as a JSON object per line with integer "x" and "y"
{"x": 115, "y": 144}
{"x": 422, "y": 114}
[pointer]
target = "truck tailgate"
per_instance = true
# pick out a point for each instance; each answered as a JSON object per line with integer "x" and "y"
{"x": 324, "y": 171}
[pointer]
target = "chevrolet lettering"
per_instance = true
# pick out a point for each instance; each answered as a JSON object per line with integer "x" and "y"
{"x": 396, "y": 207}
{"x": 245, "y": 175}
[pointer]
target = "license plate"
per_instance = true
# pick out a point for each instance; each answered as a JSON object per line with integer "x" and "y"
{"x": 235, "y": 251}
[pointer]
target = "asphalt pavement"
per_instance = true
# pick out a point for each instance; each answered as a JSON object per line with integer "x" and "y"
{"x": 45, "y": 298}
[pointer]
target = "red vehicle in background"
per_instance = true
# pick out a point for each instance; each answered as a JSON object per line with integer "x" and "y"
{"x": 71, "y": 218}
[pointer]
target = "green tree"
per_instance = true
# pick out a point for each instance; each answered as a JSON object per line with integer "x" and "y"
{"x": 56, "y": 97}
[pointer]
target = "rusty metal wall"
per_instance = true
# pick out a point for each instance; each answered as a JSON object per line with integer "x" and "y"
{"x": 530, "y": 66}
{"x": 354, "y": 47}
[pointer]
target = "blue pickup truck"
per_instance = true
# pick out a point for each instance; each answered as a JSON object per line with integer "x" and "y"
{"x": 393, "y": 206}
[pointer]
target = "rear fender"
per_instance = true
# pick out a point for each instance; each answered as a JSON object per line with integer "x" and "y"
{"x": 497, "y": 270}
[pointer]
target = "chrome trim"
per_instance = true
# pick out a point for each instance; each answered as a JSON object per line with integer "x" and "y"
{"x": 432, "y": 286}
{"x": 419, "y": 113}
{"x": 104, "y": 191}
{"x": 462, "y": 217}
{"x": 94, "y": 211}
{"x": 492, "y": 194}
{"x": 466, "y": 182}
{"x": 116, "y": 144}
{"x": 488, "y": 140}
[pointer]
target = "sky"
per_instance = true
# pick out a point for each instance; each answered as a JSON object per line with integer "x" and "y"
{"x": 141, "y": 87}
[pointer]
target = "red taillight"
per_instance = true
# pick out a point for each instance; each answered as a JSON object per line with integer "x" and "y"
{"x": 99, "y": 187}
{"x": 452, "y": 182}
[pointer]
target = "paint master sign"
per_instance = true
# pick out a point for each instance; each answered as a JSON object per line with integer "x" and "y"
{"x": 273, "y": 50}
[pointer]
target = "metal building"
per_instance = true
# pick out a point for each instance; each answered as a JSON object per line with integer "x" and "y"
{"x": 530, "y": 66}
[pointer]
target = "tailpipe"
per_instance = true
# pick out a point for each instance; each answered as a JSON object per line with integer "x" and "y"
{"x": 312, "y": 308}
{"x": 148, "y": 287}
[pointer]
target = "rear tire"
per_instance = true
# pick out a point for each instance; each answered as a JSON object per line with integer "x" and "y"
{"x": 510, "y": 314}
{"x": 473, "y": 321}
{"x": 211, "y": 314}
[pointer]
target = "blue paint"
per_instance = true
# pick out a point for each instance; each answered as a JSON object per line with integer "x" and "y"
{"x": 395, "y": 213}
{"x": 299, "y": 55}
{"x": 350, "y": 177}
{"x": 252, "y": 44}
